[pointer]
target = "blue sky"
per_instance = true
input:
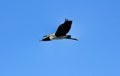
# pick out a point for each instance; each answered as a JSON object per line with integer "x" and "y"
{"x": 96, "y": 23}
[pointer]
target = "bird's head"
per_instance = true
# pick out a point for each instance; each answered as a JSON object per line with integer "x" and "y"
{"x": 45, "y": 38}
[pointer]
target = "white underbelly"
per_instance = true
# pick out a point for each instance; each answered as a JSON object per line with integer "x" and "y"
{"x": 52, "y": 36}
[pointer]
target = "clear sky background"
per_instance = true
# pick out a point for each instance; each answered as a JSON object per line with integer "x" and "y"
{"x": 96, "y": 23}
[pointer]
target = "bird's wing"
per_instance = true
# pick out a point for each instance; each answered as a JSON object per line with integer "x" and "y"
{"x": 64, "y": 28}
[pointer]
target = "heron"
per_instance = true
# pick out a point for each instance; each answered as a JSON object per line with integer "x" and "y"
{"x": 61, "y": 32}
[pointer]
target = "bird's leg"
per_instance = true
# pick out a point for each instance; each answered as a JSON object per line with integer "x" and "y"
{"x": 74, "y": 39}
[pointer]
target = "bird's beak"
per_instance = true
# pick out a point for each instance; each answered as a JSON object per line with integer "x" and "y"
{"x": 40, "y": 40}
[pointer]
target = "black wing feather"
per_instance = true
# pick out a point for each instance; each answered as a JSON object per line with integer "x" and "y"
{"x": 64, "y": 28}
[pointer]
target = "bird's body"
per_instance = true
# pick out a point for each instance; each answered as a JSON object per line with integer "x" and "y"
{"x": 61, "y": 32}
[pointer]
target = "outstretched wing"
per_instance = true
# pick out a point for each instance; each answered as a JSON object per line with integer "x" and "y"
{"x": 64, "y": 28}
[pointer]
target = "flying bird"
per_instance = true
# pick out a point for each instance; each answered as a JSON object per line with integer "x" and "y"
{"x": 61, "y": 32}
